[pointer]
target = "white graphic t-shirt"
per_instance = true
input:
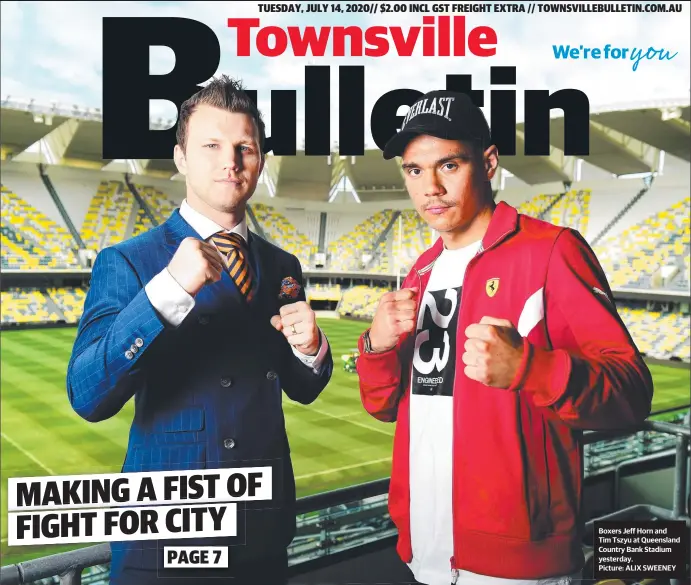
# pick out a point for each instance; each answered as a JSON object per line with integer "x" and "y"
{"x": 435, "y": 362}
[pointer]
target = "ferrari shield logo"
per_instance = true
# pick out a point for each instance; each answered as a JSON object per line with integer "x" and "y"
{"x": 492, "y": 287}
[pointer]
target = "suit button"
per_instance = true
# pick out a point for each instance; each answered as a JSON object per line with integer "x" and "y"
{"x": 134, "y": 348}
{"x": 139, "y": 342}
{"x": 129, "y": 355}
{"x": 271, "y": 375}
{"x": 229, "y": 443}
{"x": 203, "y": 320}
{"x": 226, "y": 382}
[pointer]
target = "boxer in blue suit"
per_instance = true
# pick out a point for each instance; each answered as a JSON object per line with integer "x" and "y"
{"x": 204, "y": 324}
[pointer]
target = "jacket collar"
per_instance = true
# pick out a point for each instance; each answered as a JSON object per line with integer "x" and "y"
{"x": 206, "y": 227}
{"x": 504, "y": 222}
{"x": 177, "y": 228}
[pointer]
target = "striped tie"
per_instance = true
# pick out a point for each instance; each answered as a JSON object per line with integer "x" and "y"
{"x": 234, "y": 251}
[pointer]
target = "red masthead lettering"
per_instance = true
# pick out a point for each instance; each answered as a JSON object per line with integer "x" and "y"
{"x": 439, "y": 35}
{"x": 316, "y": 44}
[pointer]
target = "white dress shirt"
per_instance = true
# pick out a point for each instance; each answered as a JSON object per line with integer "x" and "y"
{"x": 174, "y": 303}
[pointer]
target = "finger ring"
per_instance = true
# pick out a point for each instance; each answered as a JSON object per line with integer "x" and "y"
{"x": 294, "y": 330}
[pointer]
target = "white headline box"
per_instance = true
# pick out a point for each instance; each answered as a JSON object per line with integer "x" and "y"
{"x": 121, "y": 524}
{"x": 140, "y": 488}
{"x": 194, "y": 557}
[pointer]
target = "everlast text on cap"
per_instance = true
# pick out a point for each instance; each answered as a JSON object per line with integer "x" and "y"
{"x": 445, "y": 114}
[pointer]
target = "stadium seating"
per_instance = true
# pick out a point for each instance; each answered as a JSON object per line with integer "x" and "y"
{"x": 635, "y": 257}
{"x": 160, "y": 204}
{"x": 361, "y": 301}
{"x": 570, "y": 210}
{"x": 657, "y": 334}
{"x": 652, "y": 253}
{"x": 285, "y": 234}
{"x": 381, "y": 263}
{"x": 31, "y": 240}
{"x": 27, "y": 305}
{"x": 410, "y": 237}
{"x": 108, "y": 215}
{"x": 535, "y": 206}
{"x": 70, "y": 301}
{"x": 346, "y": 252}
{"x": 17, "y": 252}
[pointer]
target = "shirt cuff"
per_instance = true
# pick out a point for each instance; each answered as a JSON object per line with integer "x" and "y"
{"x": 314, "y": 361}
{"x": 169, "y": 298}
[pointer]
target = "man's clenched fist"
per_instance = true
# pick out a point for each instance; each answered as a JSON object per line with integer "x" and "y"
{"x": 395, "y": 316}
{"x": 493, "y": 352}
{"x": 298, "y": 323}
{"x": 195, "y": 264}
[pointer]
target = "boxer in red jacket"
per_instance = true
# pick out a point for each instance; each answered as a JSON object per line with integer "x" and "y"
{"x": 501, "y": 347}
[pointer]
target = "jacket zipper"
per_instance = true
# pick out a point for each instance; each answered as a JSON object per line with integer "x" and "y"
{"x": 454, "y": 569}
{"x": 455, "y": 572}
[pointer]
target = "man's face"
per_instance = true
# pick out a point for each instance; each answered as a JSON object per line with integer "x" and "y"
{"x": 222, "y": 159}
{"x": 446, "y": 180}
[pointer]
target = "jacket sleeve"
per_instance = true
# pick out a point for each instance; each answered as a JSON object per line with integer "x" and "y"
{"x": 594, "y": 376}
{"x": 381, "y": 376}
{"x": 298, "y": 380}
{"x": 118, "y": 317}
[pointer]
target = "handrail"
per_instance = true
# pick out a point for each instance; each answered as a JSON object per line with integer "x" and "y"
{"x": 69, "y": 565}
{"x": 648, "y": 425}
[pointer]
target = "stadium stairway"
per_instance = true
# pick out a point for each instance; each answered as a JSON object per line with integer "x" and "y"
{"x": 61, "y": 208}
{"x": 546, "y": 210}
{"x": 382, "y": 238}
{"x": 140, "y": 200}
{"x": 257, "y": 226}
{"x": 132, "y": 221}
{"x": 53, "y": 307}
{"x": 624, "y": 210}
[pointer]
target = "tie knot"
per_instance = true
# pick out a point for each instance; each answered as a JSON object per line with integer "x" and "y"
{"x": 227, "y": 241}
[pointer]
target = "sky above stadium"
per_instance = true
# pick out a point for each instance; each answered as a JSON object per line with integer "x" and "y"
{"x": 51, "y": 52}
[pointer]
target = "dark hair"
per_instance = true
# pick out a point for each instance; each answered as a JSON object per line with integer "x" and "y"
{"x": 224, "y": 93}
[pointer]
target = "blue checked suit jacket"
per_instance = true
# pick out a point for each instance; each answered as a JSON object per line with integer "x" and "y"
{"x": 207, "y": 393}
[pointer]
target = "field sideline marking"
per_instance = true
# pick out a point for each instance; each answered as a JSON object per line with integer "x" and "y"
{"x": 344, "y": 468}
{"x": 29, "y": 455}
{"x": 342, "y": 417}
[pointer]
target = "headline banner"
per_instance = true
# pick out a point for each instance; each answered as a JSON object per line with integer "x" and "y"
{"x": 132, "y": 506}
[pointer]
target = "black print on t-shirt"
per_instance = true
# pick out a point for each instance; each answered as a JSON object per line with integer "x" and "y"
{"x": 434, "y": 359}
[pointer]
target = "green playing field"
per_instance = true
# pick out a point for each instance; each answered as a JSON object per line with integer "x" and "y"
{"x": 334, "y": 442}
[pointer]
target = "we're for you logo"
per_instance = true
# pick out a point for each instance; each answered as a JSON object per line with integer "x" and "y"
{"x": 608, "y": 52}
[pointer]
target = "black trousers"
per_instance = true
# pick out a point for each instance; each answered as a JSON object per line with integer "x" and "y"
{"x": 267, "y": 571}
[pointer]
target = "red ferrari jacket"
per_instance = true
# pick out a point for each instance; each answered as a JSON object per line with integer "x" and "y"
{"x": 517, "y": 458}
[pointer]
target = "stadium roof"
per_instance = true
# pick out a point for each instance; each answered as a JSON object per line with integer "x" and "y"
{"x": 623, "y": 140}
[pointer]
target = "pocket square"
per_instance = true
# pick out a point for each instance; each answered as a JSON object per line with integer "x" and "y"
{"x": 290, "y": 288}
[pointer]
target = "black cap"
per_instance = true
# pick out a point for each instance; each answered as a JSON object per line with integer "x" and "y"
{"x": 445, "y": 114}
